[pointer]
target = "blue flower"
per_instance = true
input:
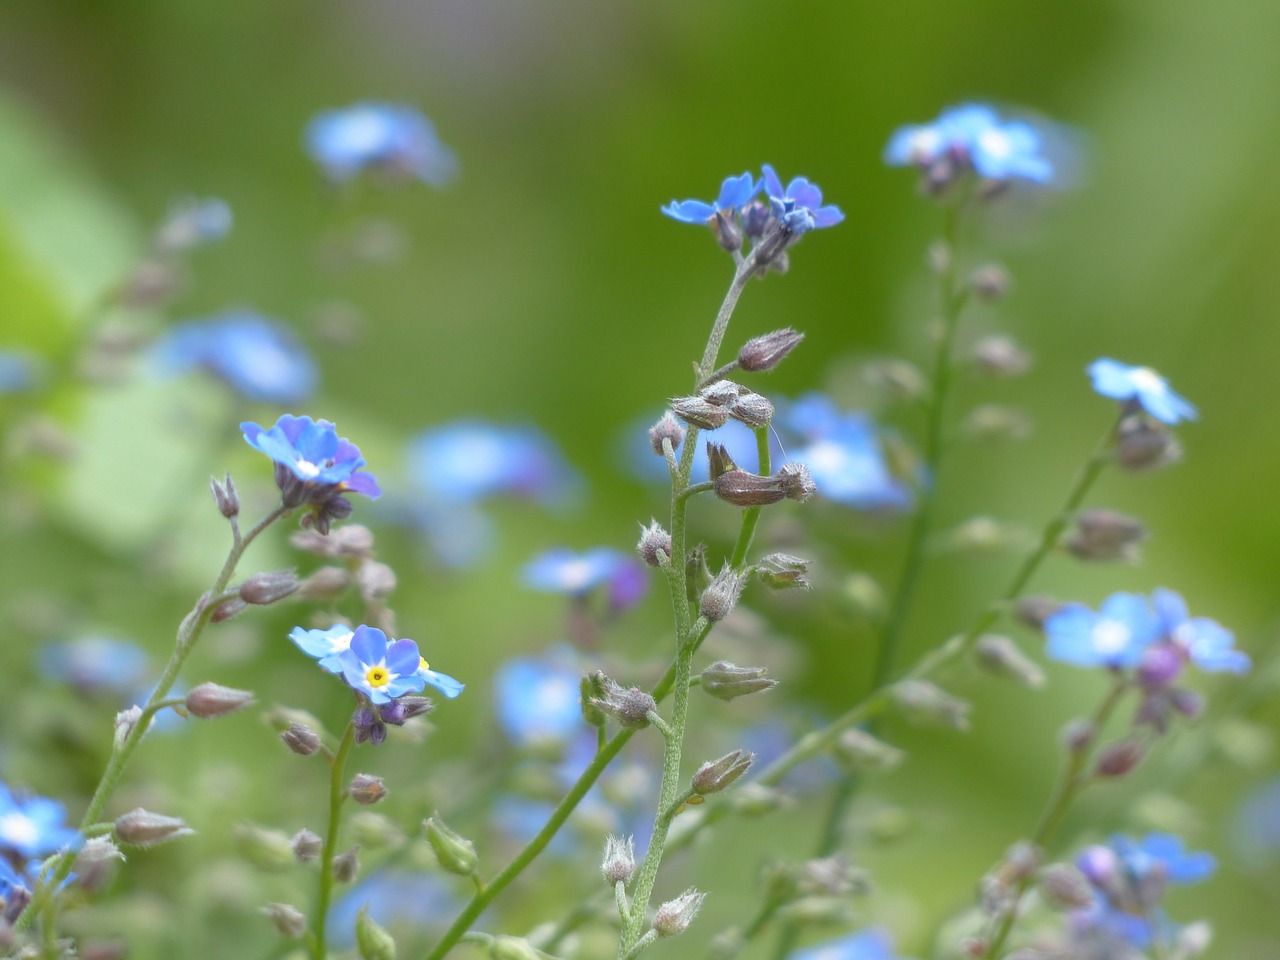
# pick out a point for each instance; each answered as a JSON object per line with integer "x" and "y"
{"x": 396, "y": 899}
{"x": 1205, "y": 642}
{"x": 193, "y": 223}
{"x": 561, "y": 570}
{"x": 19, "y": 372}
{"x": 471, "y": 460}
{"x": 33, "y": 827}
{"x": 381, "y": 671}
{"x": 798, "y": 205}
{"x": 94, "y": 663}
{"x": 326, "y": 646}
{"x": 258, "y": 358}
{"x": 537, "y": 698}
{"x": 441, "y": 681}
{"x": 312, "y": 451}
{"x": 385, "y": 136}
{"x": 735, "y": 192}
{"x": 1142, "y": 385}
{"x": 871, "y": 944}
{"x": 1116, "y": 636}
{"x": 972, "y": 136}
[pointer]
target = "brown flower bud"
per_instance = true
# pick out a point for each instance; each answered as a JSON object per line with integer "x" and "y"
{"x": 654, "y": 545}
{"x": 796, "y": 482}
{"x": 666, "y": 429}
{"x": 306, "y": 845}
{"x": 700, "y": 413}
{"x": 721, "y": 392}
{"x": 225, "y": 496}
{"x": 142, "y": 828}
{"x": 346, "y": 865}
{"x": 366, "y": 789}
{"x": 1117, "y": 759}
{"x": 744, "y": 489}
{"x": 301, "y": 739}
{"x": 1144, "y": 444}
{"x": 762, "y": 354}
{"x": 211, "y": 700}
{"x": 264, "y": 589}
{"x": 752, "y": 409}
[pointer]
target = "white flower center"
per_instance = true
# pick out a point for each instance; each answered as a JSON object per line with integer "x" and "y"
{"x": 995, "y": 143}
{"x": 576, "y": 575}
{"x": 1111, "y": 636}
{"x": 18, "y": 830}
{"x": 306, "y": 469}
{"x": 1147, "y": 380}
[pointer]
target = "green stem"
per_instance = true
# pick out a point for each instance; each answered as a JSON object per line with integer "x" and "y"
{"x": 745, "y": 269}
{"x": 189, "y": 632}
{"x": 337, "y": 793}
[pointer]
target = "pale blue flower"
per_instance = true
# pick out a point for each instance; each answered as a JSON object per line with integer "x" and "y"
{"x": 470, "y": 460}
{"x": 326, "y": 646}
{"x": 258, "y": 358}
{"x": 537, "y": 698}
{"x": 798, "y": 205}
{"x": 972, "y": 136}
{"x": 1206, "y": 643}
{"x": 1148, "y": 389}
{"x": 313, "y": 452}
{"x": 33, "y": 826}
{"x": 870, "y": 944}
{"x": 94, "y": 663}
{"x": 441, "y": 681}
{"x": 735, "y": 193}
{"x": 561, "y": 570}
{"x": 380, "y": 670}
{"x": 384, "y": 136}
{"x": 1116, "y": 636}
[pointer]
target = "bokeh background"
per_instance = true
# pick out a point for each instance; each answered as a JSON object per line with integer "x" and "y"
{"x": 544, "y": 287}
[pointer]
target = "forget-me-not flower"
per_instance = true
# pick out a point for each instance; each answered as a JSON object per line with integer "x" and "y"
{"x": 33, "y": 826}
{"x": 1204, "y": 642}
{"x": 871, "y": 944}
{"x": 193, "y": 222}
{"x": 735, "y": 193}
{"x": 381, "y": 671}
{"x": 798, "y": 206}
{"x": 972, "y": 136}
{"x": 537, "y": 699}
{"x": 471, "y": 460}
{"x": 1142, "y": 385}
{"x": 1115, "y": 636}
{"x": 256, "y": 357}
{"x": 94, "y": 663}
{"x": 561, "y": 570}
{"x": 383, "y": 136}
{"x": 325, "y": 645}
{"x": 312, "y": 451}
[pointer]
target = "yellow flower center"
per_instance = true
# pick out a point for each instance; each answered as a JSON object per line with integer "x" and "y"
{"x": 377, "y": 676}
{"x": 422, "y": 664}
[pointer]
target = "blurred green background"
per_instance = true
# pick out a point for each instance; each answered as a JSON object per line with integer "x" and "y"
{"x": 545, "y": 287}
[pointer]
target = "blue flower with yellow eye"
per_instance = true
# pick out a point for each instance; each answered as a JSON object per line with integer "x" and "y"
{"x": 380, "y": 670}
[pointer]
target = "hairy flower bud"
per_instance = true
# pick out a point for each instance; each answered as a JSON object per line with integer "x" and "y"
{"x": 727, "y": 681}
{"x": 999, "y": 655}
{"x": 372, "y": 941}
{"x": 366, "y": 789}
{"x": 346, "y": 866}
{"x": 860, "y": 750}
{"x": 744, "y": 489}
{"x": 782, "y": 571}
{"x": 1036, "y": 609}
{"x": 142, "y": 828}
{"x": 225, "y": 496}
{"x": 1064, "y": 887}
{"x": 990, "y": 282}
{"x": 288, "y": 921}
{"x": 1000, "y": 357}
{"x": 453, "y": 852}
{"x": 1117, "y": 759}
{"x": 762, "y": 354}
{"x": 306, "y": 846}
{"x": 1106, "y": 535}
{"x": 227, "y": 609}
{"x": 666, "y": 429}
{"x": 1144, "y": 444}
{"x": 923, "y": 700}
{"x": 211, "y": 700}
{"x": 629, "y": 707}
{"x": 721, "y": 596}
{"x": 301, "y": 739}
{"x": 796, "y": 482}
{"x": 655, "y": 544}
{"x": 263, "y": 589}
{"x": 721, "y": 392}
{"x": 324, "y": 583}
{"x": 619, "y": 861}
{"x": 125, "y": 721}
{"x": 403, "y": 709}
{"x": 717, "y": 775}
{"x": 674, "y": 916}
{"x": 718, "y": 460}
{"x": 752, "y": 409}
{"x": 375, "y": 580}
{"x": 700, "y": 413}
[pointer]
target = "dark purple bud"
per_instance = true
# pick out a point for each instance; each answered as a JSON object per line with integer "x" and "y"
{"x": 301, "y": 739}
{"x": 264, "y": 589}
{"x": 755, "y": 218}
{"x": 727, "y": 234}
{"x": 666, "y": 429}
{"x": 1160, "y": 665}
{"x": 700, "y": 413}
{"x": 718, "y": 460}
{"x": 744, "y": 489}
{"x": 654, "y": 545}
{"x": 225, "y": 496}
{"x": 1117, "y": 759}
{"x": 404, "y": 708}
{"x": 227, "y": 609}
{"x": 762, "y": 354}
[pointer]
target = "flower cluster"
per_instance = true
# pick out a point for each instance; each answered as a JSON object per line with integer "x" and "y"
{"x": 378, "y": 670}
{"x": 393, "y": 138}
{"x": 970, "y": 138}
{"x": 256, "y": 357}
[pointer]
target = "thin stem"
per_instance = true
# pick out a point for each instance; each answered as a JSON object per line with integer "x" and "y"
{"x": 337, "y": 793}
{"x": 745, "y": 269}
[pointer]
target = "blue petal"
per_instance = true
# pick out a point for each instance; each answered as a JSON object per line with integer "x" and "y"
{"x": 689, "y": 211}
{"x": 442, "y": 682}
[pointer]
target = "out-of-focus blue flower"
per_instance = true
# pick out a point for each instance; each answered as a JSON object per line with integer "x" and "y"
{"x": 1205, "y": 642}
{"x": 384, "y": 136}
{"x": 32, "y": 827}
{"x": 561, "y": 570}
{"x": 396, "y": 899}
{"x": 1115, "y": 636}
{"x": 972, "y": 136}
{"x": 470, "y": 460}
{"x": 313, "y": 452}
{"x": 735, "y": 192}
{"x": 843, "y": 454}
{"x": 94, "y": 663}
{"x": 256, "y": 357}
{"x": 19, "y": 372}
{"x": 537, "y": 698}
{"x": 9, "y": 880}
{"x": 872, "y": 944}
{"x": 1120, "y": 381}
{"x": 325, "y": 645}
{"x": 379, "y": 670}
{"x": 1257, "y": 826}
{"x": 193, "y": 222}
{"x": 736, "y": 437}
{"x": 798, "y": 205}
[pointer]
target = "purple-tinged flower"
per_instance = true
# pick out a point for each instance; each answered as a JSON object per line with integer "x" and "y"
{"x": 32, "y": 826}
{"x": 470, "y": 460}
{"x": 94, "y": 663}
{"x": 537, "y": 698}
{"x": 381, "y": 671}
{"x": 870, "y": 944}
{"x": 258, "y": 358}
{"x": 192, "y": 222}
{"x": 798, "y": 206}
{"x": 1143, "y": 386}
{"x": 383, "y": 136}
{"x": 312, "y": 451}
{"x": 735, "y": 193}
{"x": 561, "y": 570}
{"x": 971, "y": 136}
{"x": 1116, "y": 636}
{"x": 1206, "y": 643}
{"x": 327, "y": 646}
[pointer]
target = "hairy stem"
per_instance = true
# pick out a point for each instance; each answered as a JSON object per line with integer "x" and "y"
{"x": 337, "y": 776}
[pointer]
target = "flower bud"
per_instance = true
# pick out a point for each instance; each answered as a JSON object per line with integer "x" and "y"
{"x": 225, "y": 496}
{"x": 366, "y": 790}
{"x": 1036, "y": 609}
{"x": 727, "y": 233}
{"x": 1000, "y": 357}
{"x": 674, "y": 916}
{"x": 1117, "y": 759}
{"x": 752, "y": 409}
{"x": 717, "y": 775}
{"x": 1064, "y": 887}
{"x": 896, "y": 379}
{"x": 346, "y": 866}
{"x": 999, "y": 655}
{"x": 514, "y": 948}
{"x": 267, "y": 849}
{"x": 306, "y": 846}
{"x": 654, "y": 545}
{"x": 263, "y": 589}
{"x": 1106, "y": 535}
{"x": 403, "y": 709}
{"x": 991, "y": 422}
{"x": 832, "y": 877}
{"x": 591, "y": 689}
{"x": 453, "y": 851}
{"x": 666, "y": 429}
{"x": 227, "y": 609}
{"x": 718, "y": 460}
{"x": 796, "y": 482}
{"x": 1145, "y": 444}
{"x": 619, "y": 861}
{"x": 744, "y": 489}
{"x": 721, "y": 392}
{"x": 125, "y": 721}
{"x": 211, "y": 700}
{"x": 727, "y": 681}
{"x": 782, "y": 571}
{"x": 372, "y": 941}
{"x": 324, "y": 583}
{"x": 721, "y": 596}
{"x": 1077, "y": 735}
{"x": 1160, "y": 666}
{"x": 288, "y": 921}
{"x": 861, "y": 750}
{"x": 990, "y": 282}
{"x": 629, "y": 707}
{"x": 301, "y": 739}
{"x": 376, "y": 581}
{"x": 94, "y": 861}
{"x": 700, "y": 413}
{"x": 922, "y": 700}
{"x": 762, "y": 354}
{"x": 816, "y": 910}
{"x": 352, "y": 542}
{"x": 142, "y": 828}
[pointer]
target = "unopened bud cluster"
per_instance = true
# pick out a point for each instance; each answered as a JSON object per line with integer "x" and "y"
{"x": 629, "y": 706}
{"x": 721, "y": 596}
